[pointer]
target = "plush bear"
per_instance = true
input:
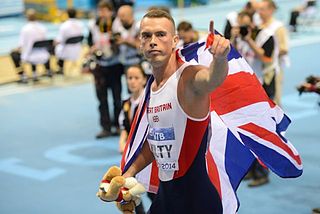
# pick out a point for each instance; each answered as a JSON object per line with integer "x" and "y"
{"x": 125, "y": 191}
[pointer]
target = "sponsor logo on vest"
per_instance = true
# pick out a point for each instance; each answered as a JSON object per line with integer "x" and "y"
{"x": 161, "y": 134}
{"x": 155, "y": 118}
{"x": 160, "y": 108}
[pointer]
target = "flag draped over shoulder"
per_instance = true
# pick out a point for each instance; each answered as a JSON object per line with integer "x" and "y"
{"x": 245, "y": 124}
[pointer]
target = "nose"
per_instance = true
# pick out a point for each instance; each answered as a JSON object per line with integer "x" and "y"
{"x": 152, "y": 45}
{"x": 153, "y": 41}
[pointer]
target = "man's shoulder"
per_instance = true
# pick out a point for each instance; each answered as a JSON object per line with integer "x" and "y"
{"x": 190, "y": 70}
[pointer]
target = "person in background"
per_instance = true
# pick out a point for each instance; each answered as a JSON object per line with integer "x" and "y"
{"x": 316, "y": 211}
{"x": 136, "y": 80}
{"x": 70, "y": 28}
{"x": 186, "y": 33}
{"x": 238, "y": 33}
{"x": 266, "y": 48}
{"x": 32, "y": 32}
{"x": 108, "y": 70}
{"x": 282, "y": 41}
{"x": 126, "y": 26}
{"x": 308, "y": 6}
{"x": 232, "y": 17}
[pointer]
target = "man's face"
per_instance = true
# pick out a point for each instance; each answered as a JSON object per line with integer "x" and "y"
{"x": 126, "y": 19}
{"x": 265, "y": 10}
{"x": 244, "y": 21}
{"x": 186, "y": 36}
{"x": 125, "y": 15}
{"x": 158, "y": 39}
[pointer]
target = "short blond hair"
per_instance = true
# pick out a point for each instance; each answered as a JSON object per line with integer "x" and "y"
{"x": 159, "y": 13}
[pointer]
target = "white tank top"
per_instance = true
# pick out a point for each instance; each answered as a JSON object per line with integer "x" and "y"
{"x": 168, "y": 124}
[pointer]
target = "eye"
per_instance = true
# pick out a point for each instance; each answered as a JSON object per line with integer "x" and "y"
{"x": 160, "y": 34}
{"x": 145, "y": 35}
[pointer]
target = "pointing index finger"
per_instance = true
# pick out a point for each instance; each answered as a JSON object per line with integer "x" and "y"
{"x": 211, "y": 27}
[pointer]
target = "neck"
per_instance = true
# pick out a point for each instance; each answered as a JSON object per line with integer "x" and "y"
{"x": 136, "y": 95}
{"x": 163, "y": 71}
{"x": 267, "y": 21}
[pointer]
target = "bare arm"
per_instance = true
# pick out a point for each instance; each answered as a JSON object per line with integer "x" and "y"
{"x": 282, "y": 35}
{"x": 144, "y": 159}
{"x": 207, "y": 79}
{"x": 257, "y": 50}
{"x": 122, "y": 140}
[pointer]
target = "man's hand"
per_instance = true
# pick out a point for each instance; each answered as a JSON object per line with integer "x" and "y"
{"x": 221, "y": 46}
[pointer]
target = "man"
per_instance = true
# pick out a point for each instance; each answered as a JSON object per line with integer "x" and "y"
{"x": 269, "y": 45}
{"x": 173, "y": 120}
{"x": 282, "y": 41}
{"x": 281, "y": 47}
{"x": 263, "y": 45}
{"x": 265, "y": 64}
{"x": 186, "y": 33}
{"x": 70, "y": 28}
{"x": 176, "y": 123}
{"x": 239, "y": 32}
{"x": 128, "y": 41}
{"x": 249, "y": 8}
{"x": 32, "y": 32}
{"x": 108, "y": 71}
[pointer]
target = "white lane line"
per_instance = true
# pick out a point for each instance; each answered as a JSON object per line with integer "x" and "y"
{"x": 304, "y": 41}
{"x": 14, "y": 90}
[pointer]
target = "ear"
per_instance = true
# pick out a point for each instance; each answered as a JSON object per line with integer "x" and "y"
{"x": 175, "y": 41}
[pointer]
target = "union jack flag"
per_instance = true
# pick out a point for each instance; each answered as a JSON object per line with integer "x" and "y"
{"x": 245, "y": 125}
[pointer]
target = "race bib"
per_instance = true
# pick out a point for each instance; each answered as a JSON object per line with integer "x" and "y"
{"x": 161, "y": 141}
{"x": 169, "y": 166}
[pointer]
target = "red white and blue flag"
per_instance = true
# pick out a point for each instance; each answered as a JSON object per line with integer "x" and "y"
{"x": 245, "y": 125}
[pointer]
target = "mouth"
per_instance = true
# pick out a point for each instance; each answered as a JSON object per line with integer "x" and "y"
{"x": 154, "y": 52}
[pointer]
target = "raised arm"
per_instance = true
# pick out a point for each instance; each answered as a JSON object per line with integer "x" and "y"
{"x": 207, "y": 79}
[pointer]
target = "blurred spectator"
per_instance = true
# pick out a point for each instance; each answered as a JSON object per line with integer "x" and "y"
{"x": 70, "y": 28}
{"x": 308, "y": 7}
{"x": 238, "y": 33}
{"x": 108, "y": 70}
{"x": 312, "y": 84}
{"x": 186, "y": 33}
{"x": 136, "y": 80}
{"x": 264, "y": 47}
{"x": 316, "y": 211}
{"x": 282, "y": 41}
{"x": 32, "y": 32}
{"x": 280, "y": 55}
{"x": 232, "y": 18}
{"x": 128, "y": 29}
